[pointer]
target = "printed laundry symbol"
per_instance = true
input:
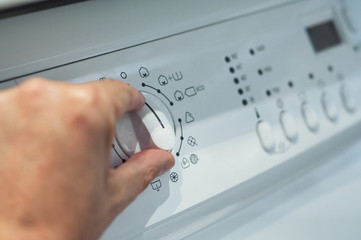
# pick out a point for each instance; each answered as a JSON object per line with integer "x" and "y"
{"x": 189, "y": 117}
{"x": 143, "y": 72}
{"x": 156, "y": 185}
{"x": 123, "y": 75}
{"x": 162, "y": 80}
{"x": 185, "y": 163}
{"x": 194, "y": 158}
{"x": 192, "y": 141}
{"x": 174, "y": 177}
{"x": 190, "y": 92}
{"x": 178, "y": 95}
{"x": 176, "y": 76}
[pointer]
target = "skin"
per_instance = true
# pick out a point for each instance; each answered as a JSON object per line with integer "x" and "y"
{"x": 56, "y": 138}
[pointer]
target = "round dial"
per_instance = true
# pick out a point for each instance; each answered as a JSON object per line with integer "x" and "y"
{"x": 150, "y": 127}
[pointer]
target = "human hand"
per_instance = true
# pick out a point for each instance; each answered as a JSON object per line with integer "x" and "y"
{"x": 55, "y": 142}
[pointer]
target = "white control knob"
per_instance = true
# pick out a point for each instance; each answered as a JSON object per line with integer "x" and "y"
{"x": 289, "y": 125}
{"x": 265, "y": 135}
{"x": 348, "y": 98}
{"x": 150, "y": 127}
{"x": 329, "y": 107}
{"x": 310, "y": 116}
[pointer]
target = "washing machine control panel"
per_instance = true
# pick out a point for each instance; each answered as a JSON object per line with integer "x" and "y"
{"x": 231, "y": 100}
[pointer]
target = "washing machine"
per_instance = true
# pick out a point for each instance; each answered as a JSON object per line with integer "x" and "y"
{"x": 260, "y": 97}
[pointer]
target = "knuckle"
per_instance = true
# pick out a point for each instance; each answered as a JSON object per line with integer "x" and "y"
{"x": 86, "y": 97}
{"x": 86, "y": 109}
{"x": 81, "y": 120}
{"x": 34, "y": 87}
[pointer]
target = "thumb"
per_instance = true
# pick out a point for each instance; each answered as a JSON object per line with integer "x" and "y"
{"x": 131, "y": 178}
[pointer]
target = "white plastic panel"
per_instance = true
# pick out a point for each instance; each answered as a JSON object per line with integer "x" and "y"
{"x": 219, "y": 82}
{"x": 37, "y": 41}
{"x": 322, "y": 203}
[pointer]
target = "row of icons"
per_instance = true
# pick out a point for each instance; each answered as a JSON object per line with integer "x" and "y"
{"x": 189, "y": 92}
{"x": 157, "y": 184}
{"x": 185, "y": 163}
{"x": 162, "y": 79}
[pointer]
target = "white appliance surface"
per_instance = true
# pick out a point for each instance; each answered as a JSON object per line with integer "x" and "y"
{"x": 262, "y": 97}
{"x": 322, "y": 204}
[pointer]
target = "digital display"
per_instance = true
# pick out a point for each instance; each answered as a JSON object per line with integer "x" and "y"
{"x": 324, "y": 36}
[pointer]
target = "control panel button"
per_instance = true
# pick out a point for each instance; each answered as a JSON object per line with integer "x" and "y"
{"x": 329, "y": 107}
{"x": 150, "y": 127}
{"x": 310, "y": 117}
{"x": 289, "y": 126}
{"x": 264, "y": 131}
{"x": 348, "y": 99}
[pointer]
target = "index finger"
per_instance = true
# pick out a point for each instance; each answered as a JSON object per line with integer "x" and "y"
{"x": 121, "y": 95}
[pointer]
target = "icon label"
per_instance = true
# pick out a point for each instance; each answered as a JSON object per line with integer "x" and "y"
{"x": 178, "y": 95}
{"x": 268, "y": 69}
{"x": 162, "y": 80}
{"x": 201, "y": 88}
{"x": 143, "y": 72}
{"x": 192, "y": 141}
{"x": 174, "y": 177}
{"x": 261, "y": 48}
{"x": 194, "y": 159}
{"x": 190, "y": 92}
{"x": 123, "y": 75}
{"x": 189, "y": 117}
{"x": 156, "y": 185}
{"x": 185, "y": 163}
{"x": 177, "y": 76}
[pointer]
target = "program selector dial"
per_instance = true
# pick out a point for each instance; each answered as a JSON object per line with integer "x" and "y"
{"x": 150, "y": 127}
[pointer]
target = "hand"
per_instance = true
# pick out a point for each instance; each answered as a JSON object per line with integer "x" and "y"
{"x": 55, "y": 142}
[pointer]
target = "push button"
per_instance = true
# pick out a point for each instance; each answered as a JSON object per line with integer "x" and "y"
{"x": 348, "y": 99}
{"x": 310, "y": 116}
{"x": 288, "y": 124}
{"x": 329, "y": 107}
{"x": 264, "y": 131}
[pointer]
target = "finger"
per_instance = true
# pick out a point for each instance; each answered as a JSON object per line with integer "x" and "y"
{"x": 120, "y": 95}
{"x": 130, "y": 179}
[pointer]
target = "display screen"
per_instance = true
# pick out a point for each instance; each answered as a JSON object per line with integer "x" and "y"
{"x": 324, "y": 36}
